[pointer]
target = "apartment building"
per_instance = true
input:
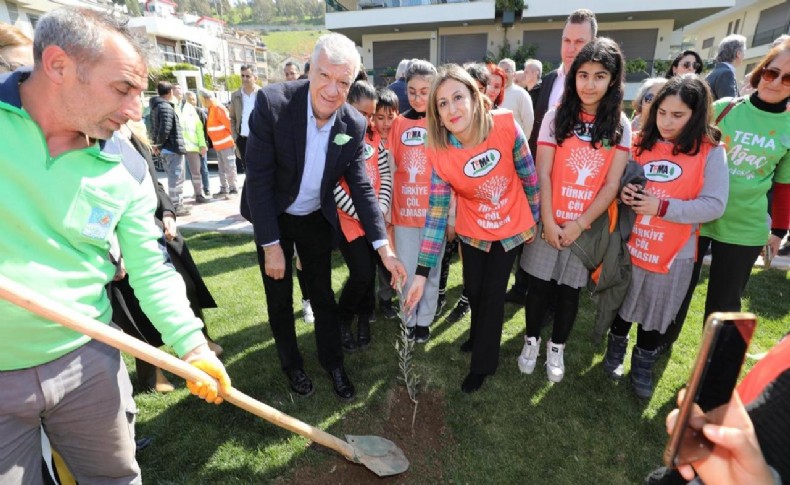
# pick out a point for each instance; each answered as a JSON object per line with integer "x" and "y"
{"x": 760, "y": 21}
{"x": 245, "y": 49}
{"x": 25, "y": 13}
{"x": 443, "y": 31}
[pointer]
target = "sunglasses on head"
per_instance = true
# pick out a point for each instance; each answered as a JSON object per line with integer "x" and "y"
{"x": 691, "y": 65}
{"x": 770, "y": 73}
{"x": 648, "y": 98}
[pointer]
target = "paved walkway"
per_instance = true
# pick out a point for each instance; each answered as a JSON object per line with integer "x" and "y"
{"x": 223, "y": 216}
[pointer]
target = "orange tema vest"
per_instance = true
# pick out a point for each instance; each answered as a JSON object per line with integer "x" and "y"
{"x": 491, "y": 204}
{"x": 578, "y": 173}
{"x": 352, "y": 228}
{"x": 411, "y": 182}
{"x": 655, "y": 242}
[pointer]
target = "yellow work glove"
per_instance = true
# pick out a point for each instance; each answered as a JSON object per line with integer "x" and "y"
{"x": 204, "y": 359}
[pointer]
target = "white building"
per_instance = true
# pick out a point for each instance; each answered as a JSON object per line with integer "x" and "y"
{"x": 183, "y": 38}
{"x": 25, "y": 13}
{"x": 760, "y": 21}
{"x": 443, "y": 31}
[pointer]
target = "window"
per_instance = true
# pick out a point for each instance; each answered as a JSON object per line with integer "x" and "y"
{"x": 729, "y": 28}
{"x": 737, "y": 26}
{"x": 13, "y": 12}
{"x": 707, "y": 43}
{"x": 33, "y": 20}
{"x": 773, "y": 23}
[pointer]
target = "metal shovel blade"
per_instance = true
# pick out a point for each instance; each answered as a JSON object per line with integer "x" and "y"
{"x": 379, "y": 455}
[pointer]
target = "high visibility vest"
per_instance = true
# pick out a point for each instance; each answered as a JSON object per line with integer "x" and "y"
{"x": 491, "y": 204}
{"x": 411, "y": 179}
{"x": 655, "y": 242}
{"x": 219, "y": 127}
{"x": 352, "y": 228}
{"x": 578, "y": 172}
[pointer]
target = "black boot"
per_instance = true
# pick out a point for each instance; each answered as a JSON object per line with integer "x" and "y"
{"x": 347, "y": 337}
{"x": 615, "y": 355}
{"x": 363, "y": 331}
{"x": 642, "y": 362}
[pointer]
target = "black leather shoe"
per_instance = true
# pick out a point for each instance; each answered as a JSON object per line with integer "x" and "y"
{"x": 472, "y": 382}
{"x": 344, "y": 389}
{"x": 300, "y": 383}
{"x": 347, "y": 338}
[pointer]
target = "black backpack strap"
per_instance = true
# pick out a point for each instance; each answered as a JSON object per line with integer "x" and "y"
{"x": 733, "y": 103}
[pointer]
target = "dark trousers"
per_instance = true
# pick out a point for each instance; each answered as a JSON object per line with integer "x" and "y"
{"x": 521, "y": 284}
{"x": 241, "y": 144}
{"x": 730, "y": 269}
{"x": 358, "y": 295}
{"x": 485, "y": 281}
{"x": 645, "y": 339}
{"x": 540, "y": 294}
{"x": 312, "y": 235}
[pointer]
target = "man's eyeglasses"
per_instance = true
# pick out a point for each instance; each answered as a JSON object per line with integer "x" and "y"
{"x": 648, "y": 98}
{"x": 769, "y": 74}
{"x": 691, "y": 65}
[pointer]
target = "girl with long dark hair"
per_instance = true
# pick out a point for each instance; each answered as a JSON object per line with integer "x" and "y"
{"x": 687, "y": 182}
{"x": 582, "y": 151}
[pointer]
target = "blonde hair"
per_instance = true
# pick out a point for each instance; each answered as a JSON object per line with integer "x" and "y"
{"x": 482, "y": 121}
{"x": 13, "y": 36}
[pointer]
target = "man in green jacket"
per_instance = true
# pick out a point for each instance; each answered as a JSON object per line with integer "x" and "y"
{"x": 66, "y": 191}
{"x": 194, "y": 143}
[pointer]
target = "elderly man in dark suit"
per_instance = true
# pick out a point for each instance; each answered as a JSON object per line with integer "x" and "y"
{"x": 303, "y": 138}
{"x": 721, "y": 79}
{"x": 581, "y": 27}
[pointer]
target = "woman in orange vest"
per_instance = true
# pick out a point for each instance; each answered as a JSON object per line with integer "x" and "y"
{"x": 687, "y": 184}
{"x": 484, "y": 158}
{"x": 358, "y": 295}
{"x": 218, "y": 128}
{"x": 411, "y": 184}
{"x": 582, "y": 151}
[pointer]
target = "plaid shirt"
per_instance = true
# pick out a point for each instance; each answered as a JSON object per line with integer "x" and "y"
{"x": 436, "y": 220}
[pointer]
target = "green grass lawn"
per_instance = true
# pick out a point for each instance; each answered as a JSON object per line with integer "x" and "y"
{"x": 298, "y": 43}
{"x": 518, "y": 428}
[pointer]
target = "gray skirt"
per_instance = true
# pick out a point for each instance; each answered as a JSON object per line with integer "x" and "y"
{"x": 654, "y": 299}
{"x": 544, "y": 262}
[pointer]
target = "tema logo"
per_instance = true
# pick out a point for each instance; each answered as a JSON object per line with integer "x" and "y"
{"x": 369, "y": 150}
{"x": 414, "y": 136}
{"x": 662, "y": 171}
{"x": 482, "y": 164}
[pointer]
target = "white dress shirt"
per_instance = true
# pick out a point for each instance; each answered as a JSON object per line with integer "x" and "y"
{"x": 557, "y": 88}
{"x": 247, "y": 104}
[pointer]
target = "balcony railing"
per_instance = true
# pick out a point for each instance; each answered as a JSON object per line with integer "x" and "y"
{"x": 768, "y": 36}
{"x": 347, "y": 5}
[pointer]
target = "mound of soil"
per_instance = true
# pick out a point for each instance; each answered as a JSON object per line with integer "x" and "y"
{"x": 419, "y": 443}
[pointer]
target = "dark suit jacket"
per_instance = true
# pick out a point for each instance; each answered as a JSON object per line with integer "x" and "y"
{"x": 541, "y": 105}
{"x": 275, "y": 163}
{"x": 722, "y": 82}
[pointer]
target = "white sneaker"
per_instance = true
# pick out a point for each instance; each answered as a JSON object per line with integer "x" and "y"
{"x": 529, "y": 355}
{"x": 307, "y": 310}
{"x": 555, "y": 367}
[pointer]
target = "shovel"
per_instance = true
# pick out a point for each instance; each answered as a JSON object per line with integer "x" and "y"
{"x": 379, "y": 455}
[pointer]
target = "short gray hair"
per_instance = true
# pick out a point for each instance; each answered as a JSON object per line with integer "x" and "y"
{"x": 80, "y": 32}
{"x": 646, "y": 86}
{"x": 535, "y": 64}
{"x": 401, "y": 70}
{"x": 730, "y": 46}
{"x": 339, "y": 49}
{"x": 509, "y": 62}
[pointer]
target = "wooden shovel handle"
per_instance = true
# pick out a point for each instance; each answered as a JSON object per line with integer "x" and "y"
{"x": 57, "y": 312}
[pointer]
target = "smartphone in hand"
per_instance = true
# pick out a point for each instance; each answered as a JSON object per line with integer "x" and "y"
{"x": 713, "y": 378}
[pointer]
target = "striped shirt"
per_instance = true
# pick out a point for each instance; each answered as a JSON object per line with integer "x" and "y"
{"x": 436, "y": 220}
{"x": 343, "y": 198}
